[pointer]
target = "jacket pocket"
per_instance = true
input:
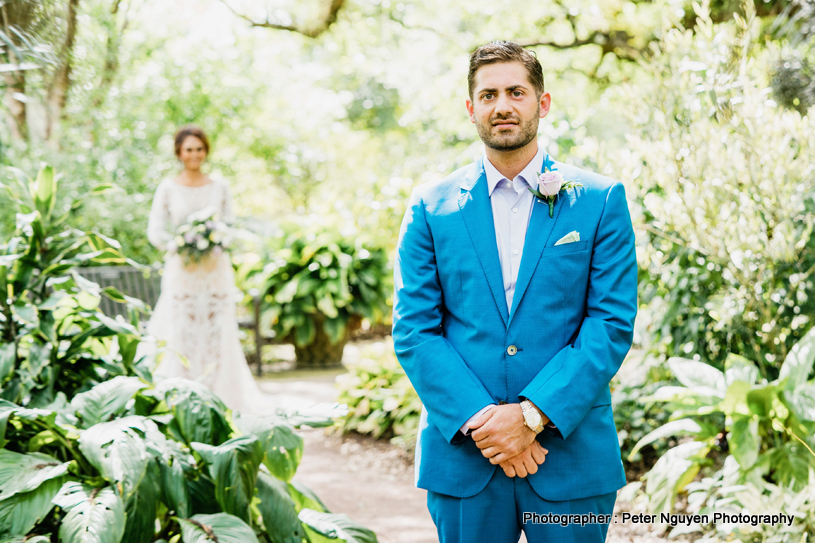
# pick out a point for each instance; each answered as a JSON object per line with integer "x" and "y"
{"x": 574, "y": 247}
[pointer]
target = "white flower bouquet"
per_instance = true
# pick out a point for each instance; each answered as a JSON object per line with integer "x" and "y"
{"x": 201, "y": 236}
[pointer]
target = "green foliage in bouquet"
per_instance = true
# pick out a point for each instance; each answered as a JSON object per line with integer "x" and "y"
{"x": 381, "y": 400}
{"x": 317, "y": 287}
{"x": 91, "y": 449}
{"x": 769, "y": 425}
{"x": 721, "y": 186}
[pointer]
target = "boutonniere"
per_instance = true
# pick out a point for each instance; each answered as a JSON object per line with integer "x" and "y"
{"x": 550, "y": 183}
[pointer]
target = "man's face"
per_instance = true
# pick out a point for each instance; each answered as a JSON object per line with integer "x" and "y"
{"x": 504, "y": 107}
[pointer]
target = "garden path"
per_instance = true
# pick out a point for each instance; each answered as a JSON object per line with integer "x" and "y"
{"x": 372, "y": 481}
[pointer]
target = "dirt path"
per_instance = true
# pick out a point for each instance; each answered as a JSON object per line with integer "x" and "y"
{"x": 372, "y": 481}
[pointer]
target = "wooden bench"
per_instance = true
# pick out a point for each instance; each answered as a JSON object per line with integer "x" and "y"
{"x": 146, "y": 286}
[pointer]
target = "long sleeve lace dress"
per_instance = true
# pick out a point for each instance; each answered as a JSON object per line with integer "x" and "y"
{"x": 195, "y": 313}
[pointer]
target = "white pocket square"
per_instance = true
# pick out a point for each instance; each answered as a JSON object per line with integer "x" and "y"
{"x": 571, "y": 237}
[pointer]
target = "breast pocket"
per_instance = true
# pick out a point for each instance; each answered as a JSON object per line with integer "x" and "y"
{"x": 566, "y": 248}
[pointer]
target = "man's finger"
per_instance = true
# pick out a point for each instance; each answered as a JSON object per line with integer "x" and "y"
{"x": 520, "y": 470}
{"x": 508, "y": 470}
{"x": 538, "y": 453}
{"x": 480, "y": 421}
{"x": 498, "y": 458}
{"x": 530, "y": 465}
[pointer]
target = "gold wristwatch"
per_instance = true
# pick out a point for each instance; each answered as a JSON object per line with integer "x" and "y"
{"x": 532, "y": 418}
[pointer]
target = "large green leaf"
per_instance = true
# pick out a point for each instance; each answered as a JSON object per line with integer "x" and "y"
{"x": 745, "y": 441}
{"x": 278, "y": 510}
{"x": 95, "y": 515}
{"x": 220, "y": 527}
{"x": 233, "y": 466}
{"x": 119, "y": 451}
{"x": 25, "y": 472}
{"x": 336, "y": 527}
{"x": 106, "y": 399}
{"x": 26, "y": 539}
{"x": 798, "y": 364}
{"x": 8, "y": 356}
{"x": 738, "y": 368}
{"x": 22, "y": 511}
{"x": 674, "y": 428}
{"x": 198, "y": 414}
{"x": 698, "y": 375}
{"x": 283, "y": 449}
{"x": 305, "y": 498}
{"x": 802, "y": 402}
{"x": 45, "y": 196}
{"x": 141, "y": 507}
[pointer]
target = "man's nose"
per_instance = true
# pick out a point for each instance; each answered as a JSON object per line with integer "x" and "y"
{"x": 502, "y": 104}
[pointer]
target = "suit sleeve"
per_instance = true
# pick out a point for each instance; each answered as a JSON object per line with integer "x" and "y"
{"x": 448, "y": 388}
{"x": 567, "y": 387}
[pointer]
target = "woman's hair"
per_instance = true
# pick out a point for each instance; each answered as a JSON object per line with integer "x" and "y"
{"x": 190, "y": 130}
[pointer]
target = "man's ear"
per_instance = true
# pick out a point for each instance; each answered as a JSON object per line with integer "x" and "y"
{"x": 545, "y": 103}
{"x": 470, "y": 109}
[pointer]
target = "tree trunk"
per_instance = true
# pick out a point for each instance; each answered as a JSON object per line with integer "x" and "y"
{"x": 321, "y": 353}
{"x": 15, "y": 84}
{"x": 61, "y": 82}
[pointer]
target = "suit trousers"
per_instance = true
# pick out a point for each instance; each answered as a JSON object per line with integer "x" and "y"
{"x": 496, "y": 515}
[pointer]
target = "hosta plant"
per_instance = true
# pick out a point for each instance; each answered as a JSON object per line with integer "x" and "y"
{"x": 317, "y": 286}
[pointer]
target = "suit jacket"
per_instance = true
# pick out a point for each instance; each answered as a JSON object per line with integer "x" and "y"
{"x": 565, "y": 336}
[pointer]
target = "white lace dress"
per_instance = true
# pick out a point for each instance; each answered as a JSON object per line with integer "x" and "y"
{"x": 195, "y": 313}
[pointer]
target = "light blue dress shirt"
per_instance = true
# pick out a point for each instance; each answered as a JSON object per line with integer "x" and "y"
{"x": 511, "y": 209}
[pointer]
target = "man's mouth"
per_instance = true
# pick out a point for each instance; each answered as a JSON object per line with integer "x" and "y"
{"x": 504, "y": 124}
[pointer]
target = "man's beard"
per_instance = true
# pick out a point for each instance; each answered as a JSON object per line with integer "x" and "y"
{"x": 506, "y": 142}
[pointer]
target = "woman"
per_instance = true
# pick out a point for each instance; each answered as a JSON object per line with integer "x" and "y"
{"x": 195, "y": 314}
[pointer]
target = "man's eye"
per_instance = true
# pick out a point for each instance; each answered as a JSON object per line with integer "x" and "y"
{"x": 517, "y": 94}
{"x": 488, "y": 96}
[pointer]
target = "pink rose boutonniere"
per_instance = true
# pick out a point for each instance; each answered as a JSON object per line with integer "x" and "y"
{"x": 550, "y": 183}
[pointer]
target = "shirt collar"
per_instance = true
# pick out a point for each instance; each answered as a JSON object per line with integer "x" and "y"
{"x": 529, "y": 173}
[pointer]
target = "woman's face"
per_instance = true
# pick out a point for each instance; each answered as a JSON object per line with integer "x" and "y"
{"x": 192, "y": 153}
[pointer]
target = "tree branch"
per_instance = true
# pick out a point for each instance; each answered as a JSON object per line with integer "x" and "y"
{"x": 311, "y": 32}
{"x": 615, "y": 41}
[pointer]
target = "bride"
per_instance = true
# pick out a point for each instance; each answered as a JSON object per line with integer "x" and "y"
{"x": 195, "y": 313}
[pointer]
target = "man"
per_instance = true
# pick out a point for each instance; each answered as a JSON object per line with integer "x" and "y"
{"x": 511, "y": 316}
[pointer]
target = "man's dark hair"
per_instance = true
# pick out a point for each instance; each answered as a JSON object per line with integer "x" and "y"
{"x": 506, "y": 51}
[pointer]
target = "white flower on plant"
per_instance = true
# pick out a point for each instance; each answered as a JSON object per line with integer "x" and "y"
{"x": 189, "y": 238}
{"x": 202, "y": 243}
{"x": 215, "y": 237}
{"x": 210, "y": 224}
{"x": 179, "y": 241}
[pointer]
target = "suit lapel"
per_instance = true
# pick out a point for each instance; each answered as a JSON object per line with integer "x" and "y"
{"x": 477, "y": 213}
{"x": 540, "y": 228}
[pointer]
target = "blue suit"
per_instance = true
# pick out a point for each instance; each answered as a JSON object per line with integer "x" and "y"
{"x": 565, "y": 336}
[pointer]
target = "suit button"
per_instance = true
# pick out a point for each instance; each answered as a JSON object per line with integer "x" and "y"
{"x": 511, "y": 350}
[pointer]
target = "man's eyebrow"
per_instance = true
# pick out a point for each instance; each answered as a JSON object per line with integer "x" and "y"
{"x": 510, "y": 89}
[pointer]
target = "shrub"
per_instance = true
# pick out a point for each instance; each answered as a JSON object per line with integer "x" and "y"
{"x": 769, "y": 426}
{"x": 721, "y": 181}
{"x": 381, "y": 401}
{"x": 317, "y": 286}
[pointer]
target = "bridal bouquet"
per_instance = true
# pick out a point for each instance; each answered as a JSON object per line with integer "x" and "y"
{"x": 201, "y": 236}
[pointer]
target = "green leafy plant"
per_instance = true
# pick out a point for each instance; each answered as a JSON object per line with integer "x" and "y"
{"x": 721, "y": 187}
{"x": 53, "y": 338}
{"x": 768, "y": 425}
{"x": 381, "y": 400}
{"x": 90, "y": 444}
{"x": 316, "y": 289}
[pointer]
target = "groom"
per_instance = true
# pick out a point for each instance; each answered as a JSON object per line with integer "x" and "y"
{"x": 511, "y": 316}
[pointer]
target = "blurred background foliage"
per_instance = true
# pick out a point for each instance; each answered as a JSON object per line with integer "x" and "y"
{"x": 327, "y": 113}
